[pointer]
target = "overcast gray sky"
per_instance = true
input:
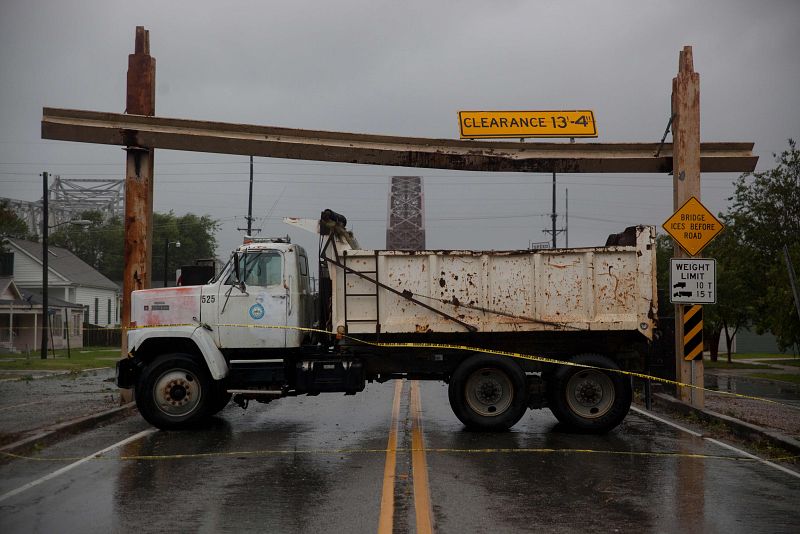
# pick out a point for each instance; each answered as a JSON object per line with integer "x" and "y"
{"x": 399, "y": 68}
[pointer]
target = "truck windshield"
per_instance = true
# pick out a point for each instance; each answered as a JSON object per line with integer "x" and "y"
{"x": 259, "y": 269}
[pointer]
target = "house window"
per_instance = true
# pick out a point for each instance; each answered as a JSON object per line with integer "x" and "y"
{"x": 86, "y": 314}
{"x": 57, "y": 325}
{"x": 109, "y": 311}
{"x": 76, "y": 324}
{"x": 96, "y": 310}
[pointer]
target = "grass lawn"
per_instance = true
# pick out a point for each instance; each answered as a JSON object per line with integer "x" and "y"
{"x": 793, "y": 362}
{"x": 791, "y": 378}
{"x": 80, "y": 359}
{"x": 722, "y": 363}
{"x": 752, "y": 355}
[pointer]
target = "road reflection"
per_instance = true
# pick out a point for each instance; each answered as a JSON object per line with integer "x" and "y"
{"x": 218, "y": 492}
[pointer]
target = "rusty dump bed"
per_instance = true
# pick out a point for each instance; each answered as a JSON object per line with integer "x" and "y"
{"x": 609, "y": 288}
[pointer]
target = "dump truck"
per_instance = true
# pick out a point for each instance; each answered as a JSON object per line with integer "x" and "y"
{"x": 507, "y": 331}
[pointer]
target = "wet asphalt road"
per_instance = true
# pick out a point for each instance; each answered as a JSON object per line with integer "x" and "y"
{"x": 318, "y": 464}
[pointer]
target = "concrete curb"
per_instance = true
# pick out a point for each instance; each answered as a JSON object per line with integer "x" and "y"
{"x": 741, "y": 429}
{"x": 49, "y": 435}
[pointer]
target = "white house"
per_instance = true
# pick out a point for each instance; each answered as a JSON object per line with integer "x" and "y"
{"x": 70, "y": 279}
{"x": 21, "y": 320}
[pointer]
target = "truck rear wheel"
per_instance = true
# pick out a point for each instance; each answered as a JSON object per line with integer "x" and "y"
{"x": 174, "y": 391}
{"x": 589, "y": 400}
{"x": 487, "y": 393}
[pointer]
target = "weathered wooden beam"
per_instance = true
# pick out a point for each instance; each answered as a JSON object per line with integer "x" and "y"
{"x": 138, "y": 246}
{"x": 289, "y": 143}
{"x": 686, "y": 184}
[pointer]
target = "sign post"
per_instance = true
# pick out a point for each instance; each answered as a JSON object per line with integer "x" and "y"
{"x": 685, "y": 185}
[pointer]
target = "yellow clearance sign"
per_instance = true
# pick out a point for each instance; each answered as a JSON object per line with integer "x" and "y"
{"x": 693, "y": 226}
{"x": 519, "y": 124}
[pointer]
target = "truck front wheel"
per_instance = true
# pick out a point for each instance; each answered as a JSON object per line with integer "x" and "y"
{"x": 589, "y": 400}
{"x": 487, "y": 393}
{"x": 221, "y": 397}
{"x": 174, "y": 391}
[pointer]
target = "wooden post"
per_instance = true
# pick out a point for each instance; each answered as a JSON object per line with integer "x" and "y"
{"x": 141, "y": 100}
{"x": 686, "y": 184}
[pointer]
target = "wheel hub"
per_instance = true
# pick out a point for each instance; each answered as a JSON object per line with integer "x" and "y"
{"x": 177, "y": 392}
{"x": 489, "y": 392}
{"x": 590, "y": 394}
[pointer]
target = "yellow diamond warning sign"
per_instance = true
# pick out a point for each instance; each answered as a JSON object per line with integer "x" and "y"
{"x": 693, "y": 226}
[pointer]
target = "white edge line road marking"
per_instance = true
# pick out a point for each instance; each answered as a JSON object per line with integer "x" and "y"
{"x": 717, "y": 442}
{"x": 73, "y": 465}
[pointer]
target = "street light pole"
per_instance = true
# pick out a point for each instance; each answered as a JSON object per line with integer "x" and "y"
{"x": 167, "y": 243}
{"x": 46, "y": 257}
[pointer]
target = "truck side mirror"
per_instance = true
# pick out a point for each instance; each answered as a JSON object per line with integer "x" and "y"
{"x": 236, "y": 276}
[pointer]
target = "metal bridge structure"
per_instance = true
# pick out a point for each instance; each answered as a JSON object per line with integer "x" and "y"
{"x": 69, "y": 198}
{"x": 405, "y": 226}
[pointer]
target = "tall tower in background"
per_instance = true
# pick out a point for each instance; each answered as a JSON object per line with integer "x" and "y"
{"x": 405, "y": 228}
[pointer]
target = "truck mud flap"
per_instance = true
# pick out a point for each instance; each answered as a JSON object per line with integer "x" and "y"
{"x": 127, "y": 372}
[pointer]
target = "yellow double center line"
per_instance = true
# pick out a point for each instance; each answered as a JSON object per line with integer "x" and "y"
{"x": 386, "y": 519}
{"x": 419, "y": 466}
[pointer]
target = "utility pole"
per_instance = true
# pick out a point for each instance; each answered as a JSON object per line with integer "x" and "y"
{"x": 45, "y": 257}
{"x": 250, "y": 205}
{"x": 792, "y": 278}
{"x": 566, "y": 220}
{"x": 554, "y": 215}
{"x": 250, "y": 202}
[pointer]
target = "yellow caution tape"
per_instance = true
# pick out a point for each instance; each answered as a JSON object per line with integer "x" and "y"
{"x": 466, "y": 348}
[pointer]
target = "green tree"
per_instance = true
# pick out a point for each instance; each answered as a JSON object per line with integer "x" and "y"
{"x": 663, "y": 255}
{"x": 11, "y": 225}
{"x": 101, "y": 244}
{"x": 766, "y": 211}
{"x": 196, "y": 235}
{"x": 735, "y": 290}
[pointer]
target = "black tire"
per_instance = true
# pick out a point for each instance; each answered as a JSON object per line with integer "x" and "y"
{"x": 221, "y": 397}
{"x": 488, "y": 393}
{"x": 589, "y": 400}
{"x": 174, "y": 391}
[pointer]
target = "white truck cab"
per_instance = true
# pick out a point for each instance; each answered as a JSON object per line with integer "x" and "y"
{"x": 261, "y": 299}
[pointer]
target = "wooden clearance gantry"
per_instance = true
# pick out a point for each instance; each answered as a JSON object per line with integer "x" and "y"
{"x": 486, "y": 156}
{"x": 141, "y": 132}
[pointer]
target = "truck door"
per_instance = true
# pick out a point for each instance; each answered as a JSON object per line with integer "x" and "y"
{"x": 250, "y": 316}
